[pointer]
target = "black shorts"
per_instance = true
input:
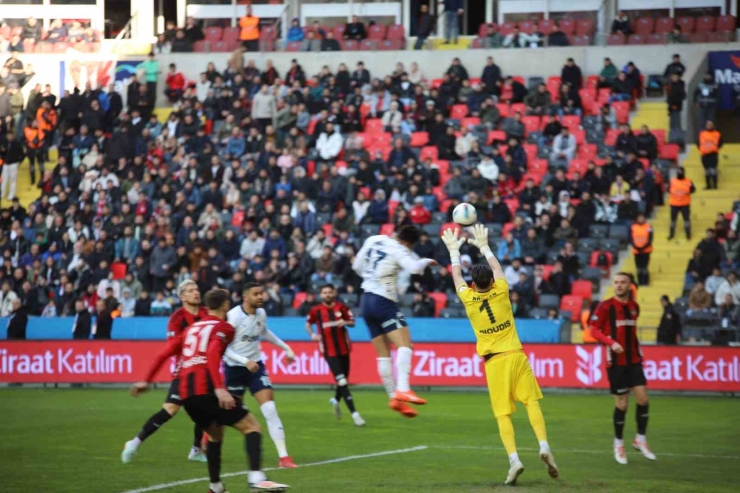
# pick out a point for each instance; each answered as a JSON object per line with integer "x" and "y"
{"x": 623, "y": 378}
{"x": 339, "y": 366}
{"x": 204, "y": 411}
{"x": 173, "y": 395}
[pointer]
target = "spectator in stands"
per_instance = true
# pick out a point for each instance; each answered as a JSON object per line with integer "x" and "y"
{"x": 57, "y": 32}
{"x": 250, "y": 30}
{"x": 621, "y": 89}
{"x": 699, "y": 299}
{"x": 355, "y": 30}
{"x": 193, "y": 32}
{"x": 489, "y": 114}
{"x": 509, "y": 250}
{"x": 295, "y": 33}
{"x": 12, "y": 155}
{"x": 569, "y": 260}
{"x": 175, "y": 82}
{"x": 626, "y": 142}
{"x": 82, "y": 325}
{"x": 426, "y": 25}
{"x": 32, "y": 30}
{"x": 491, "y": 75}
{"x": 329, "y": 143}
{"x": 621, "y": 24}
{"x": 516, "y": 39}
{"x": 676, "y": 36}
{"x": 608, "y": 74}
{"x": 713, "y": 254}
{"x": 329, "y": 43}
{"x": 675, "y": 96}
{"x": 310, "y": 42}
{"x": 518, "y": 91}
{"x": 422, "y": 306}
{"x": 538, "y": 101}
{"x": 533, "y": 248}
{"x": 7, "y": 297}
{"x": 453, "y": 10}
{"x": 675, "y": 67}
{"x": 513, "y": 127}
{"x": 646, "y": 145}
{"x": 712, "y": 283}
{"x": 728, "y": 287}
{"x": 557, "y": 37}
{"x": 392, "y": 119}
{"x": 563, "y": 148}
{"x": 180, "y": 44}
{"x": 571, "y": 74}
{"x": 669, "y": 330}
{"x": 457, "y": 71}
{"x": 732, "y": 249}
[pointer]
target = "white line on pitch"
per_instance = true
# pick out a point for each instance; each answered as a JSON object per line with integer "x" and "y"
{"x": 579, "y": 451}
{"x": 312, "y": 464}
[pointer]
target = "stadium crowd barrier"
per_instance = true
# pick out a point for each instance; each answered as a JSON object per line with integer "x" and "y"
{"x": 673, "y": 368}
{"x": 291, "y": 329}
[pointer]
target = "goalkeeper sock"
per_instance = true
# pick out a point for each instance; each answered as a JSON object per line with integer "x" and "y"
{"x": 506, "y": 431}
{"x": 642, "y": 419}
{"x": 153, "y": 424}
{"x": 537, "y": 420}
{"x": 619, "y": 423}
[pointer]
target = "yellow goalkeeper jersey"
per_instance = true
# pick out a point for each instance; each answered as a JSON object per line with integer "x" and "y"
{"x": 492, "y": 318}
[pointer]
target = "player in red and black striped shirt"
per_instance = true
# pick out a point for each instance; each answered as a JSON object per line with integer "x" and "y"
{"x": 614, "y": 324}
{"x": 204, "y": 396}
{"x": 332, "y": 318}
{"x": 190, "y": 312}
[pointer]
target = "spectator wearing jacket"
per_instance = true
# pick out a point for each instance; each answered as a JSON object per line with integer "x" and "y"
{"x": 175, "y": 83}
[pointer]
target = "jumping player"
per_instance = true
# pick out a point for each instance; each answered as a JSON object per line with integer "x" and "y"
{"x": 614, "y": 324}
{"x": 331, "y": 318}
{"x": 379, "y": 262}
{"x": 508, "y": 373}
{"x": 244, "y": 368}
{"x": 200, "y": 348}
{"x": 190, "y": 312}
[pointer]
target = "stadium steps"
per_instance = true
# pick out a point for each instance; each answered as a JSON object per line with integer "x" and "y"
{"x": 439, "y": 44}
{"x": 26, "y": 192}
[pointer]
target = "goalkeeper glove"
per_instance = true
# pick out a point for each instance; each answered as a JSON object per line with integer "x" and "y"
{"x": 453, "y": 244}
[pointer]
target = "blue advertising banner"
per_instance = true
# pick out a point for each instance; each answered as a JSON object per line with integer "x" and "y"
{"x": 292, "y": 329}
{"x": 725, "y": 65}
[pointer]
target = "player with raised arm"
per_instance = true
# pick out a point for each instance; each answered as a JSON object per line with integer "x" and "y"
{"x": 614, "y": 324}
{"x": 203, "y": 394}
{"x": 185, "y": 316}
{"x": 509, "y": 376}
{"x": 379, "y": 262}
{"x": 332, "y": 318}
{"x": 244, "y": 368}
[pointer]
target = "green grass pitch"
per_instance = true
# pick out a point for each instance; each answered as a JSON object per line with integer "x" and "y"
{"x": 59, "y": 441}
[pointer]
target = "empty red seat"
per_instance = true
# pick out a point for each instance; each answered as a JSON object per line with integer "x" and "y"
{"x": 538, "y": 166}
{"x": 573, "y": 122}
{"x": 593, "y": 261}
{"x": 349, "y": 45}
{"x": 636, "y": 39}
{"x": 221, "y": 47}
{"x": 268, "y": 32}
{"x": 669, "y": 152}
{"x": 419, "y": 139}
{"x": 644, "y": 25}
{"x": 520, "y": 108}
{"x": 705, "y": 24}
{"x": 527, "y": 27}
{"x": 568, "y": 26}
{"x": 496, "y": 135}
{"x": 577, "y": 40}
{"x": 687, "y": 24}
{"x": 119, "y": 270}
{"x": 429, "y": 152}
{"x": 585, "y": 27}
{"x": 387, "y": 229}
{"x": 611, "y": 137}
{"x": 573, "y": 304}
{"x": 725, "y": 23}
{"x": 582, "y": 288}
{"x": 200, "y": 46}
{"x": 664, "y": 25}
{"x": 655, "y": 39}
{"x": 536, "y": 178}
{"x": 579, "y": 165}
{"x": 470, "y": 121}
{"x": 616, "y": 39}
{"x": 446, "y": 226}
{"x": 440, "y": 301}
{"x": 459, "y": 111}
{"x": 390, "y": 44}
{"x": 506, "y": 229}
{"x": 718, "y": 37}
{"x": 483, "y": 29}
{"x": 293, "y": 46}
{"x": 697, "y": 37}
{"x": 476, "y": 44}
{"x": 298, "y": 300}
{"x": 213, "y": 34}
{"x": 503, "y": 109}
{"x": 376, "y": 31}
{"x": 368, "y": 45}
{"x": 531, "y": 123}
{"x": 339, "y": 31}
{"x": 507, "y": 28}
{"x": 230, "y": 34}
{"x": 373, "y": 125}
{"x": 546, "y": 26}
{"x": 396, "y": 31}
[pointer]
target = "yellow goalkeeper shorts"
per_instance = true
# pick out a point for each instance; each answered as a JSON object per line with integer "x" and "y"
{"x": 510, "y": 380}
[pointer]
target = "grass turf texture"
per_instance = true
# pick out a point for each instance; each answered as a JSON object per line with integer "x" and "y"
{"x": 58, "y": 441}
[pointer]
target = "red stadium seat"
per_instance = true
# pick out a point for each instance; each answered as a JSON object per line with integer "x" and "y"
{"x": 503, "y": 109}
{"x": 506, "y": 28}
{"x": 582, "y": 288}
{"x": 298, "y": 300}
{"x": 443, "y": 166}
{"x": 697, "y": 37}
{"x": 546, "y": 270}
{"x": 293, "y": 46}
{"x": 718, "y": 37}
{"x": 725, "y": 23}
{"x": 200, "y": 46}
{"x": 374, "y": 125}
{"x": 470, "y": 121}
{"x": 585, "y": 27}
{"x": 459, "y": 111}
{"x": 221, "y": 47}
{"x": 611, "y": 137}
{"x": 588, "y": 152}
{"x": 538, "y": 166}
{"x": 530, "y": 150}
{"x": 119, "y": 270}
{"x": 387, "y": 229}
{"x": 435, "y": 83}
{"x": 705, "y": 24}
{"x": 594, "y": 261}
{"x": 655, "y": 39}
{"x": 390, "y": 44}
{"x": 440, "y": 302}
{"x": 636, "y": 39}
{"x": 368, "y": 45}
{"x": 578, "y": 165}
{"x": 61, "y": 47}
{"x": 483, "y": 29}
{"x": 578, "y": 40}
{"x": 419, "y": 139}
{"x": 506, "y": 229}
{"x": 230, "y": 34}
{"x": 616, "y": 39}
{"x": 339, "y": 31}
{"x": 392, "y": 206}
{"x": 659, "y": 136}
{"x": 429, "y": 151}
{"x": 546, "y": 26}
{"x": 664, "y": 25}
{"x": 328, "y": 230}
{"x": 396, "y": 31}
{"x": 213, "y": 34}
{"x": 446, "y": 226}
{"x": 580, "y": 135}
{"x": 687, "y": 24}
{"x": 537, "y": 179}
{"x": 476, "y": 44}
{"x": 573, "y": 304}
{"x": 496, "y": 135}
{"x": 669, "y": 152}
{"x": 527, "y": 27}
{"x": 349, "y": 45}
{"x": 531, "y": 123}
{"x": 268, "y": 32}
{"x": 520, "y": 108}
{"x": 573, "y": 122}
{"x": 568, "y": 26}
{"x": 376, "y": 31}
{"x": 644, "y": 25}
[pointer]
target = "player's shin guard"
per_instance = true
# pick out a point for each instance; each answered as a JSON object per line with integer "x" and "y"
{"x": 213, "y": 453}
{"x": 275, "y": 427}
{"x": 403, "y": 368}
{"x": 343, "y": 389}
{"x": 153, "y": 424}
{"x": 619, "y": 423}
{"x": 385, "y": 370}
{"x": 197, "y": 436}
{"x": 253, "y": 443}
{"x": 506, "y": 431}
{"x": 537, "y": 420}
{"x": 642, "y": 419}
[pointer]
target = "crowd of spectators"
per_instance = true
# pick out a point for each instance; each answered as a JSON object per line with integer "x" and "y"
{"x": 24, "y": 38}
{"x": 278, "y": 178}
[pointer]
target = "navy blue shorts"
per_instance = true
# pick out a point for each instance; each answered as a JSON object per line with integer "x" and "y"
{"x": 381, "y": 315}
{"x": 239, "y": 379}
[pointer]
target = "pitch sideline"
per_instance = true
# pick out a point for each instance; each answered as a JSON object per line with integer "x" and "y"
{"x": 164, "y": 486}
{"x": 579, "y": 451}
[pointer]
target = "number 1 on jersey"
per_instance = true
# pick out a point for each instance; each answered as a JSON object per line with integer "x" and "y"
{"x": 487, "y": 307}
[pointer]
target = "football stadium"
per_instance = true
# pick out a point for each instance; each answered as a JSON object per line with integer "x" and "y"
{"x": 406, "y": 245}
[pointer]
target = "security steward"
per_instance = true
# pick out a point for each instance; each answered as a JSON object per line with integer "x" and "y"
{"x": 710, "y": 142}
{"x": 250, "y": 30}
{"x": 641, "y": 239}
{"x": 680, "y": 189}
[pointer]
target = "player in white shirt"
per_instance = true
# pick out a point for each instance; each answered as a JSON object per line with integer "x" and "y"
{"x": 244, "y": 368}
{"x": 379, "y": 262}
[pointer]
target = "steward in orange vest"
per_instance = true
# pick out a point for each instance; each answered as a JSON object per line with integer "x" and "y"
{"x": 250, "y": 30}
{"x": 710, "y": 142}
{"x": 35, "y": 137}
{"x": 680, "y": 190}
{"x": 641, "y": 239}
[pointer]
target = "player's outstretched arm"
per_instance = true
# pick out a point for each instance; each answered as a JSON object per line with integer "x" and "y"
{"x": 480, "y": 240}
{"x": 270, "y": 337}
{"x": 453, "y": 244}
{"x": 172, "y": 348}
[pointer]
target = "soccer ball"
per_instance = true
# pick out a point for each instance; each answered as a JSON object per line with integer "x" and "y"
{"x": 464, "y": 214}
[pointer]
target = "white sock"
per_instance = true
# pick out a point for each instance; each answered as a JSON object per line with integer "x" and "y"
{"x": 275, "y": 427}
{"x": 217, "y": 487}
{"x": 544, "y": 445}
{"x": 618, "y": 442}
{"x": 641, "y": 439}
{"x": 513, "y": 458}
{"x": 385, "y": 370}
{"x": 136, "y": 442}
{"x": 355, "y": 414}
{"x": 403, "y": 368}
{"x": 254, "y": 477}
